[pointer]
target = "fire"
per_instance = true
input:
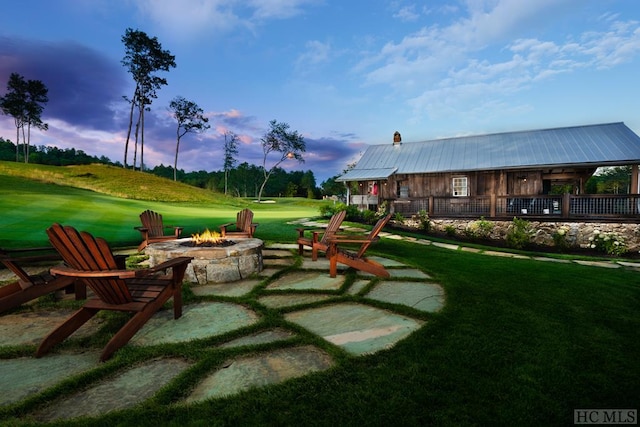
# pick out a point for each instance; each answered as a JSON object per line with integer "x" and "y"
{"x": 211, "y": 237}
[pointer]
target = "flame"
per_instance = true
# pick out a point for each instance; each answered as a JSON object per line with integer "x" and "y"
{"x": 206, "y": 237}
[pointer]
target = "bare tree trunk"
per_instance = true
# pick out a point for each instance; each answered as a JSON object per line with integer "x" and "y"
{"x": 25, "y": 150}
{"x": 135, "y": 145}
{"x": 26, "y": 147}
{"x": 175, "y": 162}
{"x": 142, "y": 141}
{"x": 17, "y": 142}
{"x": 126, "y": 144}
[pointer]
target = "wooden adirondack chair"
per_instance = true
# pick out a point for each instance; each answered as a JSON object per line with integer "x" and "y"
{"x": 316, "y": 242}
{"x": 153, "y": 229}
{"x": 31, "y": 286}
{"x": 357, "y": 259}
{"x": 243, "y": 227}
{"x": 142, "y": 292}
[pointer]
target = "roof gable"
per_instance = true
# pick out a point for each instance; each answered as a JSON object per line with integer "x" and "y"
{"x": 594, "y": 145}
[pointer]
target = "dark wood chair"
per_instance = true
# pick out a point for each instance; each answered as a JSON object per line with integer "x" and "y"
{"x": 356, "y": 259}
{"x": 142, "y": 292}
{"x": 243, "y": 227}
{"x": 153, "y": 229}
{"x": 32, "y": 286}
{"x": 317, "y": 242}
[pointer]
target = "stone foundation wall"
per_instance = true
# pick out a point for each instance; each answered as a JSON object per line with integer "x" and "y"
{"x": 577, "y": 233}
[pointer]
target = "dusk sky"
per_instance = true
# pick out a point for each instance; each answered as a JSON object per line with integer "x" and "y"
{"x": 342, "y": 73}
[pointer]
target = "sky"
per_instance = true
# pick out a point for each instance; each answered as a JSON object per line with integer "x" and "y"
{"x": 342, "y": 73}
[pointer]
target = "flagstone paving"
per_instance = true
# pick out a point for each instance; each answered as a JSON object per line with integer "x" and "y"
{"x": 309, "y": 297}
{"x": 357, "y": 328}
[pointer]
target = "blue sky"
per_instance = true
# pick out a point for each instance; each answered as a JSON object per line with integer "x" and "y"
{"x": 343, "y": 73}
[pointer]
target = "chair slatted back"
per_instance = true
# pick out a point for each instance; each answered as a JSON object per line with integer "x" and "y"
{"x": 373, "y": 234}
{"x": 82, "y": 251}
{"x": 244, "y": 220}
{"x": 333, "y": 226}
{"x": 152, "y": 221}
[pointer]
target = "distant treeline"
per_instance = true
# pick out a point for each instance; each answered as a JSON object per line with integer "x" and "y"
{"x": 243, "y": 181}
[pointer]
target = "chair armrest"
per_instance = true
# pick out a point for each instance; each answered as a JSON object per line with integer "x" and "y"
{"x": 104, "y": 274}
{"x": 301, "y": 231}
{"x": 140, "y": 228}
{"x": 343, "y": 238}
{"x": 119, "y": 274}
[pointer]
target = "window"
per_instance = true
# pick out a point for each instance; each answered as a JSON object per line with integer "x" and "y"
{"x": 460, "y": 187}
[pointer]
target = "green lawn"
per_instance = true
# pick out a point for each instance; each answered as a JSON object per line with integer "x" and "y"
{"x": 519, "y": 342}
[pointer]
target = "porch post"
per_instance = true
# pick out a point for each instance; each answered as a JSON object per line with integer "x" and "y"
{"x": 566, "y": 203}
{"x": 634, "y": 180}
{"x": 492, "y": 205}
{"x": 348, "y": 193}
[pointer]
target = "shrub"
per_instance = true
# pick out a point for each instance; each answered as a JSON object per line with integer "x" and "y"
{"x": 450, "y": 230}
{"x": 328, "y": 210}
{"x": 519, "y": 234}
{"x": 423, "y": 218}
{"x": 382, "y": 210}
{"x": 609, "y": 243}
{"x": 399, "y": 218}
{"x": 480, "y": 229}
{"x": 353, "y": 214}
{"x": 560, "y": 239}
{"x": 369, "y": 217}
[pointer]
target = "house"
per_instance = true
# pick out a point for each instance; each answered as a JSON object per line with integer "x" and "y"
{"x": 534, "y": 173}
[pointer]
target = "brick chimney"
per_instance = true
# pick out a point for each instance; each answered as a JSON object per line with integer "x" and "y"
{"x": 397, "y": 139}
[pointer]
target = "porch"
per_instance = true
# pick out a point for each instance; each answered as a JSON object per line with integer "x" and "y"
{"x": 559, "y": 207}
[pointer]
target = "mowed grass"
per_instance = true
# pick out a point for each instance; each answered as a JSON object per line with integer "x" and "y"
{"x": 519, "y": 342}
{"x": 107, "y": 201}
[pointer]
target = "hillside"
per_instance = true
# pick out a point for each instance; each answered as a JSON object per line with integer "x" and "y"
{"x": 114, "y": 181}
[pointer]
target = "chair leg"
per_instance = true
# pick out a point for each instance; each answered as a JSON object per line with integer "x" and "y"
{"x": 63, "y": 331}
{"x": 333, "y": 265}
{"x": 131, "y": 327}
{"x": 177, "y": 301}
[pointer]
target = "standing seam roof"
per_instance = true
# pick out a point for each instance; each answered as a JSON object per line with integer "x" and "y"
{"x": 600, "y": 144}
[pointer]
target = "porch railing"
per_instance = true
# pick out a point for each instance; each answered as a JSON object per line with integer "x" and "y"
{"x": 567, "y": 206}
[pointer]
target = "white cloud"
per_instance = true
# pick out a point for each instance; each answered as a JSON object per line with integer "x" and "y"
{"x": 188, "y": 19}
{"x": 443, "y": 60}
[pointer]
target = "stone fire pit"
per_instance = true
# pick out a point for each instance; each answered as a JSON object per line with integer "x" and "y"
{"x": 212, "y": 264}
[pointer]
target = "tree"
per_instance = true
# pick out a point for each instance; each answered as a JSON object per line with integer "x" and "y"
{"x": 230, "y": 151}
{"x": 610, "y": 180}
{"x": 23, "y": 101}
{"x": 330, "y": 187}
{"x": 37, "y": 95}
{"x": 308, "y": 182}
{"x": 289, "y": 144}
{"x": 143, "y": 58}
{"x": 190, "y": 119}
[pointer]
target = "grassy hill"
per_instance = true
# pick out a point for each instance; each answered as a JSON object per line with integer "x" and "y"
{"x": 107, "y": 200}
{"x": 114, "y": 181}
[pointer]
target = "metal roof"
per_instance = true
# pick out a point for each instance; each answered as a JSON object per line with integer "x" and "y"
{"x": 611, "y": 144}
